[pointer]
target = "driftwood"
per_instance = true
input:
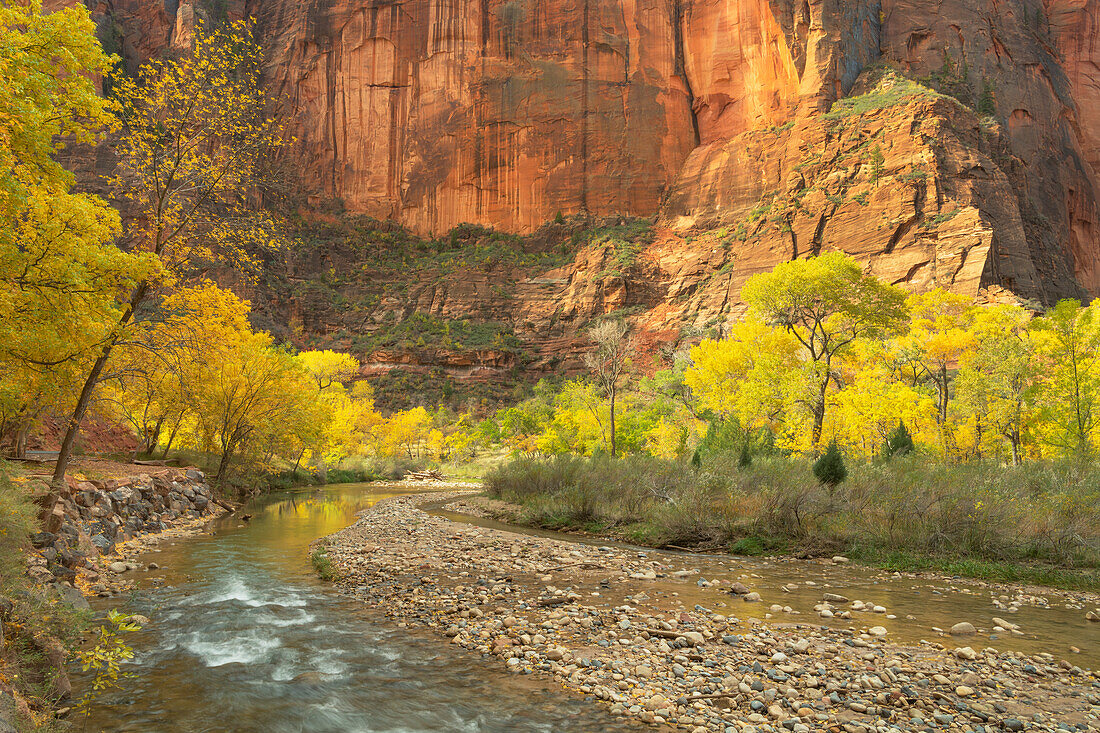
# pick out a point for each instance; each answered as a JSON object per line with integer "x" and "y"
{"x": 432, "y": 474}
{"x": 574, "y": 565}
{"x": 732, "y": 696}
{"x": 224, "y": 504}
{"x": 673, "y": 634}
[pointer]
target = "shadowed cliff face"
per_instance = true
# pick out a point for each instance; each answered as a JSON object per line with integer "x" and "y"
{"x": 438, "y": 112}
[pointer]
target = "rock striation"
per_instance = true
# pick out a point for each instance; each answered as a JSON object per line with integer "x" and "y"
{"x": 507, "y": 113}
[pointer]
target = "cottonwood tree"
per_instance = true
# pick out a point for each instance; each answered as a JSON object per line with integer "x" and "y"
{"x": 998, "y": 382}
{"x": 608, "y": 362}
{"x": 827, "y": 303}
{"x": 940, "y": 335}
{"x": 1070, "y": 396}
{"x": 60, "y": 274}
{"x": 751, "y": 375}
{"x": 195, "y": 133}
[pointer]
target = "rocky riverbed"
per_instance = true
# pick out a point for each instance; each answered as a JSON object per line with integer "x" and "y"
{"x": 588, "y": 616}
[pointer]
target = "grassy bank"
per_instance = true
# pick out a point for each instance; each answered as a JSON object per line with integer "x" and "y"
{"x": 36, "y": 627}
{"x": 1037, "y": 523}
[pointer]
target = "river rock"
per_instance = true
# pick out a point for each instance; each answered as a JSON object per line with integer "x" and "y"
{"x": 118, "y": 567}
{"x": 963, "y": 628}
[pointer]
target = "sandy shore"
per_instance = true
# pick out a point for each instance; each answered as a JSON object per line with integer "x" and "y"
{"x": 582, "y": 614}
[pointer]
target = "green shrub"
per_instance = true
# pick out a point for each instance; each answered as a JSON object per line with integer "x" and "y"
{"x": 323, "y": 565}
{"x": 829, "y": 468}
{"x": 898, "y": 443}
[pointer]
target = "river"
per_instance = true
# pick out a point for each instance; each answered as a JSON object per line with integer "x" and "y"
{"x": 244, "y": 637}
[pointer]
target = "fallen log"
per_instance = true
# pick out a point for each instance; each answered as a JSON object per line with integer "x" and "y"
{"x": 433, "y": 474}
{"x": 224, "y": 505}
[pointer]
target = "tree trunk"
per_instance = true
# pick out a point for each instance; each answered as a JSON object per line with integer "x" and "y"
{"x": 21, "y": 440}
{"x": 613, "y": 446}
{"x": 223, "y": 465}
{"x": 171, "y": 437}
{"x": 81, "y": 409}
{"x": 85, "y": 399}
{"x": 819, "y": 417}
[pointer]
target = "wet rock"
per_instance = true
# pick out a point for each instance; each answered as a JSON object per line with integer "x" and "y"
{"x": 963, "y": 628}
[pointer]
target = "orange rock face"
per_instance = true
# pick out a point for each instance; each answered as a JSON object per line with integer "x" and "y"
{"x": 506, "y": 113}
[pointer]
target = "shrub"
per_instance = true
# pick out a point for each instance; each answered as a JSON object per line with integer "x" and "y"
{"x": 829, "y": 468}
{"x": 323, "y": 565}
{"x": 898, "y": 443}
{"x": 909, "y": 508}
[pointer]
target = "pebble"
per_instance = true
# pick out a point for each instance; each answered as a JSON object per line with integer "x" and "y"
{"x": 528, "y": 601}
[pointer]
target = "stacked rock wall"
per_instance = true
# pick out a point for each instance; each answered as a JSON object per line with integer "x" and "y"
{"x": 88, "y": 518}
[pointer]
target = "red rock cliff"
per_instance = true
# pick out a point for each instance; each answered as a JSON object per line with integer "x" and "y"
{"x": 437, "y": 112}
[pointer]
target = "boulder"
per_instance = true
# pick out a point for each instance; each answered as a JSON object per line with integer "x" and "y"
{"x": 963, "y": 628}
{"x": 42, "y": 539}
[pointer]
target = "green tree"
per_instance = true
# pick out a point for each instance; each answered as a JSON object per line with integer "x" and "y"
{"x": 827, "y": 303}
{"x": 829, "y": 468}
{"x": 899, "y": 442}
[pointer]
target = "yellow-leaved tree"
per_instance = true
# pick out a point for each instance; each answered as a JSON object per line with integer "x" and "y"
{"x": 1069, "y": 400}
{"x": 60, "y": 274}
{"x": 755, "y": 374}
{"x": 940, "y": 336}
{"x": 998, "y": 381}
{"x": 196, "y": 132}
{"x": 827, "y": 303}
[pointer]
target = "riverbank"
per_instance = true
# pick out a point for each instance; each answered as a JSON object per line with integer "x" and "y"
{"x": 999, "y": 576}
{"x": 1037, "y": 523}
{"x": 64, "y": 544}
{"x": 592, "y": 617}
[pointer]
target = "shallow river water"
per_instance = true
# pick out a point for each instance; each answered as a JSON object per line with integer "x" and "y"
{"x": 244, "y": 637}
{"x": 916, "y": 607}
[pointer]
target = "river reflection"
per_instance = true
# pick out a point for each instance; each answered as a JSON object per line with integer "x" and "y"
{"x": 245, "y": 638}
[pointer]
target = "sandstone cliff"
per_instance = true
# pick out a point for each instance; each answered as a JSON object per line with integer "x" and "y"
{"x": 507, "y": 113}
{"x": 948, "y": 143}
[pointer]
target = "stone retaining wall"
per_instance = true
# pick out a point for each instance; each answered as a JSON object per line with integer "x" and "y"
{"x": 88, "y": 518}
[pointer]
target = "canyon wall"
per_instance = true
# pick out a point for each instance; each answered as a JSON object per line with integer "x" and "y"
{"x": 507, "y": 113}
